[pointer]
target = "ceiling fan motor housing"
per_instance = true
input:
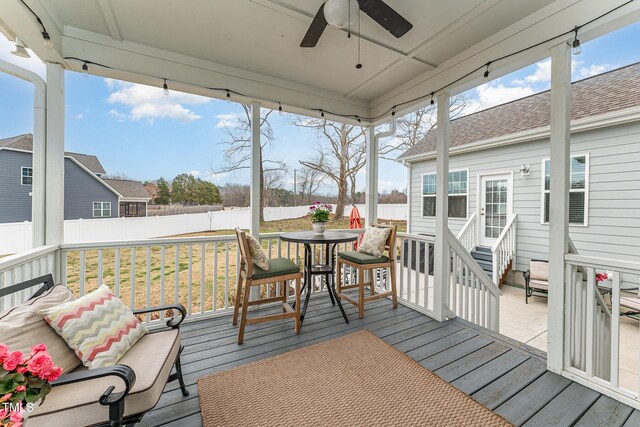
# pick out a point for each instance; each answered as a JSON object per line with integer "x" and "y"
{"x": 341, "y": 13}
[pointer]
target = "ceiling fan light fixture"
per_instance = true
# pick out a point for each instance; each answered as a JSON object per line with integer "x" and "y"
{"x": 341, "y": 13}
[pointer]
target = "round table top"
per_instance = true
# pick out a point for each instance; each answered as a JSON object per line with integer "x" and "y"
{"x": 310, "y": 237}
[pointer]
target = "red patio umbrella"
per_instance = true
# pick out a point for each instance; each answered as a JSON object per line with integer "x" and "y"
{"x": 355, "y": 221}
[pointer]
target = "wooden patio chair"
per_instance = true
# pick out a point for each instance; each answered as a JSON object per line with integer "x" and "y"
{"x": 536, "y": 279}
{"x": 281, "y": 270}
{"x": 365, "y": 262}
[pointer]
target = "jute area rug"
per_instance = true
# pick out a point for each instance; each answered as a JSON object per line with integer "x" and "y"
{"x": 355, "y": 380}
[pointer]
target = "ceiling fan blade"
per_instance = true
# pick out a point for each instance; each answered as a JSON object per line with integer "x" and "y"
{"x": 315, "y": 29}
{"x": 384, "y": 15}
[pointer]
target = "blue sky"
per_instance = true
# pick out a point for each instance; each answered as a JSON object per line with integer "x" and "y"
{"x": 137, "y": 131}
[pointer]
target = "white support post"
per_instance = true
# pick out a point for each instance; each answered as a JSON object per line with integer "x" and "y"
{"x": 39, "y": 165}
{"x": 54, "y": 163}
{"x": 441, "y": 250}
{"x": 408, "y": 191}
{"x": 559, "y": 200}
{"x": 255, "y": 170}
{"x": 256, "y": 158}
{"x": 371, "y": 187}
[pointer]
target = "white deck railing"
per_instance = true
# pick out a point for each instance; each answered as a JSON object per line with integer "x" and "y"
{"x": 24, "y": 266}
{"x": 468, "y": 235}
{"x": 592, "y": 324}
{"x": 504, "y": 249}
{"x": 472, "y": 294}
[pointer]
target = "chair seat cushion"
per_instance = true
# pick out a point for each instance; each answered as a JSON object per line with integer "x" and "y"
{"x": 277, "y": 267}
{"x": 539, "y": 284}
{"x": 23, "y": 326}
{"x": 362, "y": 258}
{"x": 151, "y": 359}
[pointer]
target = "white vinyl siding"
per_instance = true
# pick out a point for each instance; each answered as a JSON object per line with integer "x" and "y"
{"x": 613, "y": 229}
{"x": 578, "y": 192}
{"x": 458, "y": 194}
{"x": 26, "y": 176}
{"x": 102, "y": 209}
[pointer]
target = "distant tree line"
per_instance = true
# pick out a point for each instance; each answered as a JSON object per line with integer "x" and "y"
{"x": 187, "y": 190}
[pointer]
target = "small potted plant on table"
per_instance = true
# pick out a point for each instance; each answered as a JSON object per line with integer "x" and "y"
{"x": 319, "y": 213}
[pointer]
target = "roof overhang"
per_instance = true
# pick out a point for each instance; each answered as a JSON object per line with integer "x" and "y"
{"x": 251, "y": 47}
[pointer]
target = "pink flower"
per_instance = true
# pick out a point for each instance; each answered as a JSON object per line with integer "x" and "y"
{"x": 41, "y": 365}
{"x": 312, "y": 208}
{"x": 3, "y": 413}
{"x": 21, "y": 369}
{"x": 4, "y": 352}
{"x": 54, "y": 374}
{"x": 21, "y": 388}
{"x": 38, "y": 348}
{"x": 16, "y": 417}
{"x": 6, "y": 397}
{"x": 12, "y": 362}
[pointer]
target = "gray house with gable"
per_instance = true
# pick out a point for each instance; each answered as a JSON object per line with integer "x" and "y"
{"x": 88, "y": 194}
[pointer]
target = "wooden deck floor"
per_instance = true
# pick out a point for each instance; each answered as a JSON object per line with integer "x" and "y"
{"x": 503, "y": 375}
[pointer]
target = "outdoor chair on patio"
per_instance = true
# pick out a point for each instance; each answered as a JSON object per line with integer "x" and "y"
{"x": 114, "y": 395}
{"x": 631, "y": 304}
{"x": 280, "y": 271}
{"x": 366, "y": 262}
{"x": 536, "y": 279}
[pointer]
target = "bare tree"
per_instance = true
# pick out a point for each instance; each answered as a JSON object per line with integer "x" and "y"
{"x": 413, "y": 127}
{"x": 273, "y": 180}
{"x": 339, "y": 154}
{"x": 237, "y": 152}
{"x": 309, "y": 182}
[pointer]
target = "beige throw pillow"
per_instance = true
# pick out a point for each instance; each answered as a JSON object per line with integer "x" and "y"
{"x": 374, "y": 241}
{"x": 23, "y": 326}
{"x": 258, "y": 256}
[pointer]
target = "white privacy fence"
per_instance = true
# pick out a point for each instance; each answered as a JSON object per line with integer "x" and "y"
{"x": 16, "y": 237}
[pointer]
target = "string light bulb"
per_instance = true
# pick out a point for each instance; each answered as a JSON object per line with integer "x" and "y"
{"x": 47, "y": 40}
{"x": 432, "y": 101}
{"x": 228, "y": 96}
{"x": 85, "y": 69}
{"x": 165, "y": 87}
{"x": 486, "y": 72}
{"x": 575, "y": 46}
{"x": 358, "y": 117}
{"x": 393, "y": 111}
{"x": 322, "y": 114}
{"x": 280, "y": 108}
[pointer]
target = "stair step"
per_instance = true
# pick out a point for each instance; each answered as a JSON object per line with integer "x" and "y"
{"x": 482, "y": 249}
{"x": 486, "y": 265}
{"x": 484, "y": 256}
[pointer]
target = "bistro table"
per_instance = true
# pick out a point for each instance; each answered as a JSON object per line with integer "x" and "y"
{"x": 330, "y": 239}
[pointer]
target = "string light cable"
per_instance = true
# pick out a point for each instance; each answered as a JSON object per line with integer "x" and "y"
{"x": 576, "y": 48}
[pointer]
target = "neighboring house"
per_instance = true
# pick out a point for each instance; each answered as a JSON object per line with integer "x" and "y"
{"x": 152, "y": 191}
{"x": 88, "y": 194}
{"x": 499, "y": 167}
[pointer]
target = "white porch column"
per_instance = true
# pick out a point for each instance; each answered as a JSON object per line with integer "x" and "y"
{"x": 54, "y": 163}
{"x": 39, "y": 166}
{"x": 559, "y": 200}
{"x": 441, "y": 249}
{"x": 371, "y": 186}
{"x": 255, "y": 170}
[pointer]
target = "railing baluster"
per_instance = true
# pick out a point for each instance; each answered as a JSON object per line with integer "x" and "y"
{"x": 82, "y": 272}
{"x": 190, "y": 279}
{"x": 63, "y": 268}
{"x": 132, "y": 278}
{"x": 591, "y": 309}
{"x": 100, "y": 267}
{"x": 215, "y": 276}
{"x": 615, "y": 329}
{"x": 417, "y": 281}
{"x": 401, "y": 268}
{"x": 116, "y": 271}
{"x": 176, "y": 270}
{"x": 226, "y": 274}
{"x": 409, "y": 253}
{"x": 203, "y": 257}
{"x": 162, "y": 290}
{"x": 148, "y": 282}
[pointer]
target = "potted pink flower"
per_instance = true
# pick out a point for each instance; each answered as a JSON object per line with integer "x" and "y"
{"x": 319, "y": 213}
{"x": 24, "y": 382}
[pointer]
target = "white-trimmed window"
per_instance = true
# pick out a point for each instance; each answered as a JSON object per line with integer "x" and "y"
{"x": 458, "y": 194}
{"x": 578, "y": 190}
{"x": 26, "y": 176}
{"x": 102, "y": 209}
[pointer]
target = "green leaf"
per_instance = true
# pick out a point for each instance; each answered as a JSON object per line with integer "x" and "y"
{"x": 35, "y": 382}
{"x": 32, "y": 397}
{"x": 19, "y": 396}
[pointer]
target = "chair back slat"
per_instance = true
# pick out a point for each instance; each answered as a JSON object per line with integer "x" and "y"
{"x": 245, "y": 254}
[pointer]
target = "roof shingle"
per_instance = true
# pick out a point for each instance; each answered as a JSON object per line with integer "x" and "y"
{"x": 608, "y": 92}
{"x": 127, "y": 188}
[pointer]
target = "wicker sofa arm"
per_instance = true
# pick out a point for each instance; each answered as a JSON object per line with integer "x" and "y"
{"x": 114, "y": 400}
{"x": 172, "y": 322}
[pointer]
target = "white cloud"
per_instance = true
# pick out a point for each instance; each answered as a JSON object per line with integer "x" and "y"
{"x": 495, "y": 93}
{"x": 150, "y": 103}
{"x": 195, "y": 173}
{"x": 230, "y": 120}
{"x": 79, "y": 116}
{"x": 542, "y": 74}
{"x": 592, "y": 70}
{"x": 117, "y": 115}
{"x": 32, "y": 64}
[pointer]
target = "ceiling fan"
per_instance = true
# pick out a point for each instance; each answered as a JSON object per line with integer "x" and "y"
{"x": 343, "y": 13}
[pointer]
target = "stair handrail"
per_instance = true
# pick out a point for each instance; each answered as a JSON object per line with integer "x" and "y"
{"x": 472, "y": 264}
{"x": 467, "y": 234}
{"x": 498, "y": 250}
{"x": 574, "y": 251}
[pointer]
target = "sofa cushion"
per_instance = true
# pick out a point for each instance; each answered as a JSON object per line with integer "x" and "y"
{"x": 23, "y": 326}
{"x": 539, "y": 270}
{"x": 632, "y": 303}
{"x": 374, "y": 241}
{"x": 277, "y": 267}
{"x": 542, "y": 285}
{"x": 98, "y": 326}
{"x": 151, "y": 358}
{"x": 258, "y": 256}
{"x": 362, "y": 258}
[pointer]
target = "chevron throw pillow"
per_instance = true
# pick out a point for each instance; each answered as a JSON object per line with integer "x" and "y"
{"x": 98, "y": 327}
